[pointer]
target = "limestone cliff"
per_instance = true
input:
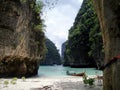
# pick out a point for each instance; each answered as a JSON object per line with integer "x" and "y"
{"x": 52, "y": 54}
{"x": 21, "y": 42}
{"x": 63, "y": 48}
{"x": 84, "y": 45}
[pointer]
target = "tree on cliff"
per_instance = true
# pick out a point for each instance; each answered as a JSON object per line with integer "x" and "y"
{"x": 108, "y": 12}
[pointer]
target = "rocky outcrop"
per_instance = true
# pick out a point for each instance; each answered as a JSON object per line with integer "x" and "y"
{"x": 109, "y": 16}
{"x": 21, "y": 43}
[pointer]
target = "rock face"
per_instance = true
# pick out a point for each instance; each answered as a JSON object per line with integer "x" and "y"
{"x": 52, "y": 56}
{"x": 109, "y": 16}
{"x": 84, "y": 45}
{"x": 21, "y": 44}
{"x": 63, "y": 48}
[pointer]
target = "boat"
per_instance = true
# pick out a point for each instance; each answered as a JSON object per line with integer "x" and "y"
{"x": 75, "y": 74}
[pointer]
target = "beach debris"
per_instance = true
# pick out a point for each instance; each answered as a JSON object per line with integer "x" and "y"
{"x": 47, "y": 87}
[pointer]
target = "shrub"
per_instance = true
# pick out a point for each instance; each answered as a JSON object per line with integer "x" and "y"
{"x": 89, "y": 81}
{"x": 23, "y": 79}
{"x": 15, "y": 79}
{"x": 6, "y": 83}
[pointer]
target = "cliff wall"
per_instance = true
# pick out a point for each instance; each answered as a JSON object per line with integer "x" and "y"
{"x": 21, "y": 43}
{"x": 84, "y": 45}
{"x": 52, "y": 55}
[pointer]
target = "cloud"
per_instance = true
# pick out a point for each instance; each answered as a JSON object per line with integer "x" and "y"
{"x": 80, "y": 1}
{"x": 60, "y": 19}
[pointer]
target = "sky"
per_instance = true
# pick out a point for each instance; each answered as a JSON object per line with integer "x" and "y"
{"x": 60, "y": 19}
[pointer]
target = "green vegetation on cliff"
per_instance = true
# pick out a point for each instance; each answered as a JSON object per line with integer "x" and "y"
{"x": 52, "y": 54}
{"x": 84, "y": 43}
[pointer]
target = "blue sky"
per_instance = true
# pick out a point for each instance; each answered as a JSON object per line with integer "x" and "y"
{"x": 59, "y": 20}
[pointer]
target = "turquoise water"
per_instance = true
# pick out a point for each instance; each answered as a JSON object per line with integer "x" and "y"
{"x": 51, "y": 71}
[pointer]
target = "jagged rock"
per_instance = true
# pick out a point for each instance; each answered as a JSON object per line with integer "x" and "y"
{"x": 109, "y": 16}
{"x": 21, "y": 46}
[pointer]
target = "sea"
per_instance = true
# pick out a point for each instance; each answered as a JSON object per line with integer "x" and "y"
{"x": 60, "y": 71}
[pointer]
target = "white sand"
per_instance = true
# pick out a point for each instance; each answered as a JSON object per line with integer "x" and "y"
{"x": 43, "y": 83}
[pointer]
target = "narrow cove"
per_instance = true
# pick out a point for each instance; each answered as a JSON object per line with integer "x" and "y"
{"x": 60, "y": 71}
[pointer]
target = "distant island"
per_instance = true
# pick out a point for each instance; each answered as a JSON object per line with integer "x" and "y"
{"x": 52, "y": 56}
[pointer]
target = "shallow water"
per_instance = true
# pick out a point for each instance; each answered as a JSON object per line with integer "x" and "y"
{"x": 51, "y": 71}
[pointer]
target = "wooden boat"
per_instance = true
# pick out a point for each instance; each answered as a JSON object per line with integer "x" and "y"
{"x": 75, "y": 74}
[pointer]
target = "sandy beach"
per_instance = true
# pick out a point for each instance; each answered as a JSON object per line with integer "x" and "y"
{"x": 48, "y": 83}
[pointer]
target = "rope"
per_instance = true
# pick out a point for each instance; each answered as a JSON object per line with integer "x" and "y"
{"x": 113, "y": 60}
